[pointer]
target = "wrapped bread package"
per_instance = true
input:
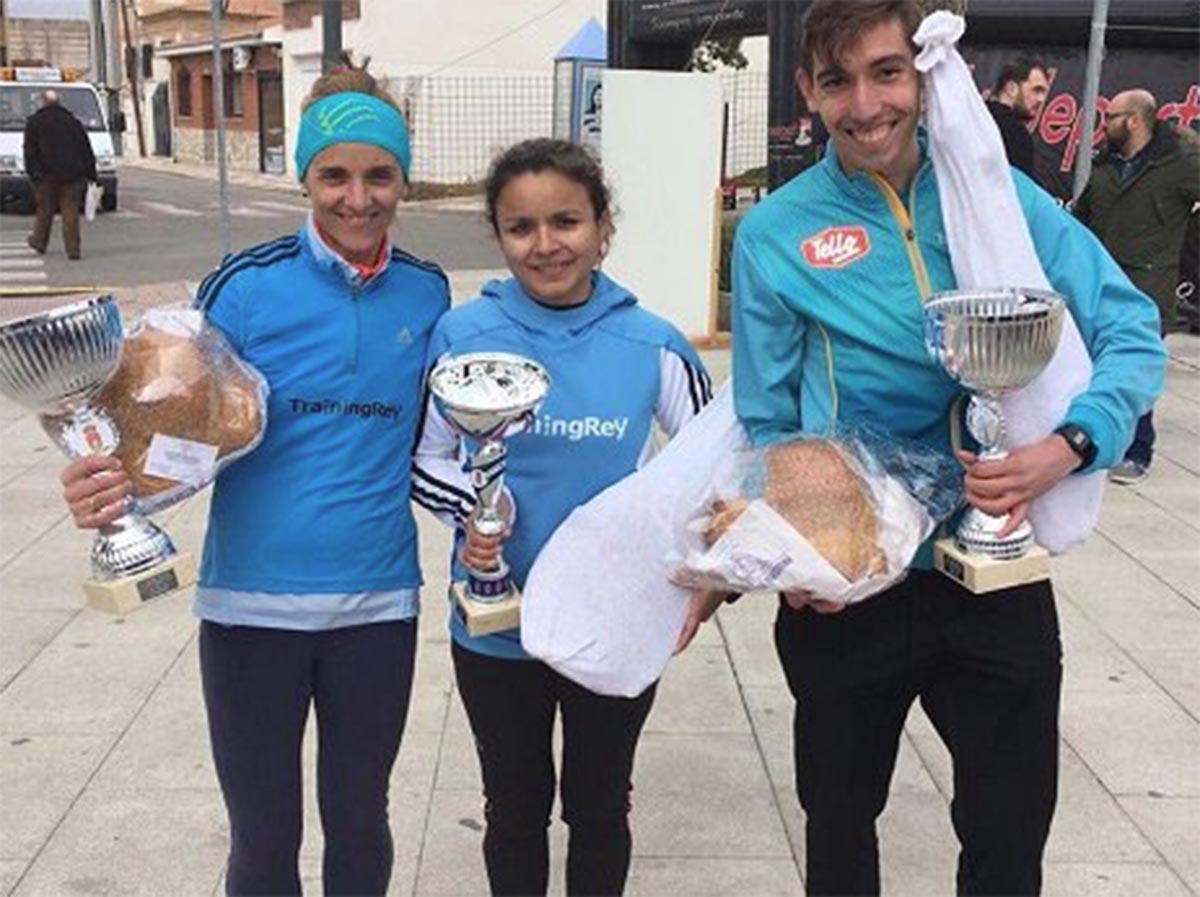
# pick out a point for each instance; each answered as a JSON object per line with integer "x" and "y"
{"x": 840, "y": 516}
{"x": 183, "y": 406}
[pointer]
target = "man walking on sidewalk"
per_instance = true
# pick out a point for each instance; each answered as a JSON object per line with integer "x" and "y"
{"x": 60, "y": 162}
{"x": 1138, "y": 201}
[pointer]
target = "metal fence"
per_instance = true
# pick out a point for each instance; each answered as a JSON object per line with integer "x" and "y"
{"x": 458, "y": 122}
{"x": 745, "y": 121}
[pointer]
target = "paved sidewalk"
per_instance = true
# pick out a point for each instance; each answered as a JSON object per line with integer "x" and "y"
{"x": 106, "y": 785}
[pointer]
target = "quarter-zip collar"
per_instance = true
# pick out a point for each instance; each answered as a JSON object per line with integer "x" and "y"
{"x": 862, "y": 184}
{"x": 329, "y": 259}
{"x": 871, "y": 187}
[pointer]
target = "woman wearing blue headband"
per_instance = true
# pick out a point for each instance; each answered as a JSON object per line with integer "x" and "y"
{"x": 308, "y": 587}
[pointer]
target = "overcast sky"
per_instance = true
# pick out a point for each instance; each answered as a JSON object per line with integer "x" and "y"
{"x": 47, "y": 9}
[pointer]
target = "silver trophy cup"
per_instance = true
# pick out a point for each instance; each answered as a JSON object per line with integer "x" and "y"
{"x": 489, "y": 397}
{"x": 53, "y": 363}
{"x": 993, "y": 342}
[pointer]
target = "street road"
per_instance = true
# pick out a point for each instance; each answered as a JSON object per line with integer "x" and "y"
{"x": 166, "y": 229}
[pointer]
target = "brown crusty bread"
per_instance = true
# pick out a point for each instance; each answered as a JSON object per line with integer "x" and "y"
{"x": 166, "y": 384}
{"x": 810, "y": 484}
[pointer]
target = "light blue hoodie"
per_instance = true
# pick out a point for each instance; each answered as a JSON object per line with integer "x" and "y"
{"x": 616, "y": 369}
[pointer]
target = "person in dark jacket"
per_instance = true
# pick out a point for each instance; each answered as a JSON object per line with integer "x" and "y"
{"x": 60, "y": 162}
{"x": 1189, "y": 264}
{"x": 1020, "y": 91}
{"x": 1138, "y": 201}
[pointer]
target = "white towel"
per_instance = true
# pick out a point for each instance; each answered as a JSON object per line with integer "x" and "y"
{"x": 990, "y": 246}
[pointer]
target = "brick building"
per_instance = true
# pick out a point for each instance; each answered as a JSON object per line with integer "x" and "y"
{"x": 171, "y": 42}
{"x": 252, "y": 101}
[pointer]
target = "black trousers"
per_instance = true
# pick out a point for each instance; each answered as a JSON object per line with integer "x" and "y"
{"x": 987, "y": 670}
{"x": 511, "y": 705}
{"x": 1141, "y": 449}
{"x": 258, "y": 686}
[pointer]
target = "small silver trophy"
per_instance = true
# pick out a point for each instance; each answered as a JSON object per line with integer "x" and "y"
{"x": 53, "y": 363}
{"x": 993, "y": 342}
{"x": 488, "y": 396}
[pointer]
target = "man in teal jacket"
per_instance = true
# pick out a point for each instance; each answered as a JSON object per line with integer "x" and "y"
{"x": 830, "y": 274}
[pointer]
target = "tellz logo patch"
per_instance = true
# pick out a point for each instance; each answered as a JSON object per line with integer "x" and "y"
{"x": 836, "y": 247}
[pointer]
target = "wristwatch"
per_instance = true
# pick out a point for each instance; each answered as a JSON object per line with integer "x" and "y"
{"x": 1080, "y": 443}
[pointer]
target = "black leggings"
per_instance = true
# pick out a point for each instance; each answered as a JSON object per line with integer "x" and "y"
{"x": 258, "y": 686}
{"x": 511, "y": 706}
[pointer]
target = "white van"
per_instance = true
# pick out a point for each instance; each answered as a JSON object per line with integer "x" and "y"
{"x": 20, "y": 96}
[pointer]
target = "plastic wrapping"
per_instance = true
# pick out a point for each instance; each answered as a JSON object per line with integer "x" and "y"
{"x": 182, "y": 404}
{"x": 839, "y": 516}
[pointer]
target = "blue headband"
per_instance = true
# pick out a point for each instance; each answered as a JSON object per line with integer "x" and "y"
{"x": 351, "y": 118}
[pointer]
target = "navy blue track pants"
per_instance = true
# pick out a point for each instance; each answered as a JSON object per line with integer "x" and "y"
{"x": 258, "y": 687}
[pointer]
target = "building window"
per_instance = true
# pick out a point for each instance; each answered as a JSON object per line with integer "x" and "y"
{"x": 147, "y": 61}
{"x": 183, "y": 90}
{"x": 234, "y": 100}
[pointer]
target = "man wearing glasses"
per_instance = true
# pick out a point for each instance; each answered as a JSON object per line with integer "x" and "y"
{"x": 1142, "y": 190}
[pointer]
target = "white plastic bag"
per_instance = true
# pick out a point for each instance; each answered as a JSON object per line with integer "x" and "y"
{"x": 598, "y": 605}
{"x": 91, "y": 200}
{"x": 840, "y": 516}
{"x": 990, "y": 246}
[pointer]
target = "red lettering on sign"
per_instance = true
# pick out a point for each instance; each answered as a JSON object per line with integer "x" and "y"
{"x": 1187, "y": 111}
{"x": 1057, "y": 117}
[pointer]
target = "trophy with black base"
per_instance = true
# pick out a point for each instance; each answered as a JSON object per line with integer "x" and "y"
{"x": 488, "y": 396}
{"x": 993, "y": 342}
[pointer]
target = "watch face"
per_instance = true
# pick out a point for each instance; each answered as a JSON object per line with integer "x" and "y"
{"x": 1079, "y": 441}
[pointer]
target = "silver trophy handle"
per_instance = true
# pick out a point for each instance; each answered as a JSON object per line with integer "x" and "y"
{"x": 131, "y": 543}
{"x": 487, "y": 479}
{"x": 985, "y": 420}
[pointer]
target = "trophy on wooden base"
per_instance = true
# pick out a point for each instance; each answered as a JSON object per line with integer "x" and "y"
{"x": 53, "y": 363}
{"x": 993, "y": 342}
{"x": 488, "y": 396}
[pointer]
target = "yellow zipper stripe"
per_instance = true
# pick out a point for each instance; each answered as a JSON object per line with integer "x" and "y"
{"x": 833, "y": 392}
{"x": 908, "y": 231}
{"x": 905, "y": 217}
